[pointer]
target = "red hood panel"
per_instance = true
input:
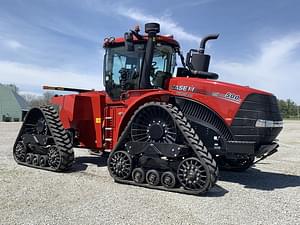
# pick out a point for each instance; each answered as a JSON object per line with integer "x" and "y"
{"x": 224, "y": 98}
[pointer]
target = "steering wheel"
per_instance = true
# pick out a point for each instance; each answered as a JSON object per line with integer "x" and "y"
{"x": 153, "y": 68}
{"x": 153, "y": 65}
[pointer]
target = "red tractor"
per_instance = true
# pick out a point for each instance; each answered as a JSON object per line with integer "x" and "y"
{"x": 164, "y": 129}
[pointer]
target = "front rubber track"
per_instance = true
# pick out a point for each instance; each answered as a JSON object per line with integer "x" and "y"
{"x": 191, "y": 138}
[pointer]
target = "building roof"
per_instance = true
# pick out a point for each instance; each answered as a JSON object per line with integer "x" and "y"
{"x": 9, "y": 95}
{"x": 22, "y": 102}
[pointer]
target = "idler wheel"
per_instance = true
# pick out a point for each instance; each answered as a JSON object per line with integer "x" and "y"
{"x": 120, "y": 165}
{"x": 168, "y": 179}
{"x": 20, "y": 151}
{"x": 193, "y": 174}
{"x": 138, "y": 175}
{"x": 152, "y": 177}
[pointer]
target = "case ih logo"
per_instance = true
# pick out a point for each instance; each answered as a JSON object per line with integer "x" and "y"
{"x": 229, "y": 96}
{"x": 183, "y": 88}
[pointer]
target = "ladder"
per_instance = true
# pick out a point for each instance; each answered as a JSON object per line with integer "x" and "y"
{"x": 108, "y": 132}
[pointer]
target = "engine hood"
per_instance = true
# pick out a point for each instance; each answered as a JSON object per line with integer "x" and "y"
{"x": 223, "y": 98}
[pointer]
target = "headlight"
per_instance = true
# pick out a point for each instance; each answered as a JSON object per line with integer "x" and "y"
{"x": 268, "y": 123}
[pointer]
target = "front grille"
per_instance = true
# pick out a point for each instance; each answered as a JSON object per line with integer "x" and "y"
{"x": 254, "y": 107}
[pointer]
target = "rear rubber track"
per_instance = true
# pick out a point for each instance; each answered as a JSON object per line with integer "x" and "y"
{"x": 61, "y": 140}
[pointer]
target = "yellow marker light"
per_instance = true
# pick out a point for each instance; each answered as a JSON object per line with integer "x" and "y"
{"x": 98, "y": 120}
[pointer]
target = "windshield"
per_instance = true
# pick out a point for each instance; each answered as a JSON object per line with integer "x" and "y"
{"x": 121, "y": 64}
{"x": 119, "y": 58}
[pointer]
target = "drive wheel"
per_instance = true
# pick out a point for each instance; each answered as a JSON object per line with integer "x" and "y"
{"x": 153, "y": 124}
{"x": 168, "y": 179}
{"x": 120, "y": 165}
{"x": 193, "y": 174}
{"x": 152, "y": 177}
{"x": 138, "y": 175}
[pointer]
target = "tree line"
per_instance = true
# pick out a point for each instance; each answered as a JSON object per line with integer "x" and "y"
{"x": 289, "y": 109}
{"x": 38, "y": 100}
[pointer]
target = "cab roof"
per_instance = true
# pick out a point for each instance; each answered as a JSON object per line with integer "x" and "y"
{"x": 119, "y": 41}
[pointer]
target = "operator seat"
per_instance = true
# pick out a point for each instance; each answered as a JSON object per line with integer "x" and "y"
{"x": 160, "y": 78}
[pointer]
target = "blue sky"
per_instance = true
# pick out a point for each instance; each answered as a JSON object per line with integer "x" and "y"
{"x": 60, "y": 42}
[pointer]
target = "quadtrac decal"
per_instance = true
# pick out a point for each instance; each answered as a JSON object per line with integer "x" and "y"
{"x": 229, "y": 96}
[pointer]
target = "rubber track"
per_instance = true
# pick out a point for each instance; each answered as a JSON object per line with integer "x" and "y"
{"x": 61, "y": 139}
{"x": 191, "y": 137}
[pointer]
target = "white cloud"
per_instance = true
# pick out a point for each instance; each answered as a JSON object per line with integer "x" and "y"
{"x": 12, "y": 44}
{"x": 167, "y": 24}
{"x": 30, "y": 93}
{"x": 192, "y": 3}
{"x": 29, "y": 77}
{"x": 274, "y": 69}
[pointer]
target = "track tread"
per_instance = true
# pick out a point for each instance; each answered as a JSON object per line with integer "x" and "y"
{"x": 61, "y": 138}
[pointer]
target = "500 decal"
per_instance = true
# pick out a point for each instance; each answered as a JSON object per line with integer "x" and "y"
{"x": 229, "y": 96}
{"x": 232, "y": 97}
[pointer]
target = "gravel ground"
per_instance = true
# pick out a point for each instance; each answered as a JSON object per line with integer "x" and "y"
{"x": 267, "y": 194}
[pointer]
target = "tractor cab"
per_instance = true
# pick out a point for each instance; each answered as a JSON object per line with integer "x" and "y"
{"x": 136, "y": 62}
{"x": 131, "y": 64}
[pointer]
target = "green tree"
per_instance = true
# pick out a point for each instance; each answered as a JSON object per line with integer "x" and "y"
{"x": 36, "y": 101}
{"x": 288, "y": 108}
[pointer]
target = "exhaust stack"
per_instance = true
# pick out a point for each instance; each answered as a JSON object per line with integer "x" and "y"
{"x": 152, "y": 29}
{"x": 205, "y": 39}
{"x": 198, "y": 62}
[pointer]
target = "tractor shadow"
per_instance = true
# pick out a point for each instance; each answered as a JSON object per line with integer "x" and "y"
{"x": 83, "y": 162}
{"x": 256, "y": 179}
{"x": 253, "y": 178}
{"x": 216, "y": 191}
